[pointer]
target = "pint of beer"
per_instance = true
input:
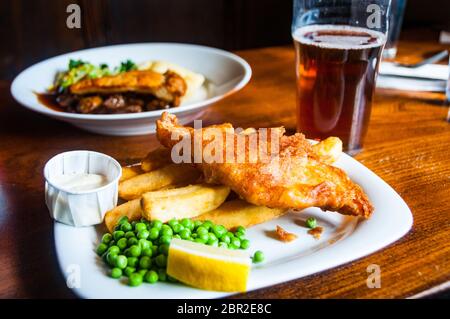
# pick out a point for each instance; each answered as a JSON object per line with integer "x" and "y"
{"x": 337, "y": 57}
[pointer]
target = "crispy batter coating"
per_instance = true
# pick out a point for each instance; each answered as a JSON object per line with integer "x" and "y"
{"x": 284, "y": 235}
{"x": 294, "y": 177}
{"x": 168, "y": 86}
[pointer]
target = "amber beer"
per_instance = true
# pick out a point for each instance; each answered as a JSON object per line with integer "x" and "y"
{"x": 336, "y": 70}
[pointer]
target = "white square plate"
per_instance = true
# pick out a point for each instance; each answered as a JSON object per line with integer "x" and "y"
{"x": 344, "y": 239}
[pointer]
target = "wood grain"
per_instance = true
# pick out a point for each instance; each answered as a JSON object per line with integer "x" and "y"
{"x": 407, "y": 145}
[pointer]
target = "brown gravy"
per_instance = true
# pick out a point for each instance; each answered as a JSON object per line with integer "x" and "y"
{"x": 49, "y": 100}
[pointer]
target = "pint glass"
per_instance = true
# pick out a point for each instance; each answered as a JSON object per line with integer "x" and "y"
{"x": 338, "y": 46}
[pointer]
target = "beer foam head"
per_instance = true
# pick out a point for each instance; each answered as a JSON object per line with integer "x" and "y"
{"x": 338, "y": 37}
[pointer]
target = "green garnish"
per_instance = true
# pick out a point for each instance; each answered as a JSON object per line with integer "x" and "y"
{"x": 126, "y": 66}
{"x": 79, "y": 70}
{"x": 311, "y": 222}
{"x": 75, "y": 63}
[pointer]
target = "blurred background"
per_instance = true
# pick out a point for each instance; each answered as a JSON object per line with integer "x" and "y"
{"x": 35, "y": 30}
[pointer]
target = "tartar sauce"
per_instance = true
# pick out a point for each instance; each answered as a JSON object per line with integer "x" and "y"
{"x": 75, "y": 182}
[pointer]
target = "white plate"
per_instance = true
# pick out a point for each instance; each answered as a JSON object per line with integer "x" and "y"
{"x": 344, "y": 239}
{"x": 226, "y": 72}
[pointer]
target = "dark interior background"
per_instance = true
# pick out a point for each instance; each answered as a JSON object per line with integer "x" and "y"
{"x": 32, "y": 30}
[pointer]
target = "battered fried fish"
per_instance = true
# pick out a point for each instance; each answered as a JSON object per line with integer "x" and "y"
{"x": 295, "y": 177}
{"x": 168, "y": 86}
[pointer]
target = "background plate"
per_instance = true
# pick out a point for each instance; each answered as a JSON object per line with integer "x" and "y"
{"x": 226, "y": 74}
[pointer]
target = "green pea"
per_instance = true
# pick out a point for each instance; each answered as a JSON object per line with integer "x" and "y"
{"x": 121, "y": 262}
{"x": 122, "y": 243}
{"x": 145, "y": 244}
{"x": 200, "y": 240}
{"x": 202, "y": 230}
{"x": 139, "y": 226}
{"x": 126, "y": 226}
{"x": 106, "y": 238}
{"x": 145, "y": 262}
{"x": 162, "y": 275}
{"x": 239, "y": 235}
{"x": 225, "y": 239}
{"x": 212, "y": 236}
{"x": 230, "y": 234}
{"x": 142, "y": 272}
{"x": 129, "y": 234}
{"x": 165, "y": 226}
{"x": 143, "y": 234}
{"x": 258, "y": 256}
{"x": 219, "y": 230}
{"x": 223, "y": 245}
{"x": 204, "y": 237}
{"x": 232, "y": 247}
{"x": 129, "y": 270}
{"x": 151, "y": 277}
{"x": 164, "y": 249}
{"x": 165, "y": 239}
{"x": 123, "y": 219}
{"x": 118, "y": 234}
{"x": 177, "y": 236}
{"x": 173, "y": 222}
{"x": 153, "y": 233}
{"x": 101, "y": 249}
{"x": 197, "y": 224}
{"x": 157, "y": 224}
{"x": 114, "y": 250}
{"x": 161, "y": 260}
{"x": 135, "y": 279}
{"x": 194, "y": 235}
{"x": 147, "y": 252}
{"x": 166, "y": 232}
{"x": 154, "y": 249}
{"x": 241, "y": 229}
{"x": 133, "y": 223}
{"x": 135, "y": 251}
{"x": 145, "y": 221}
{"x": 132, "y": 241}
{"x": 187, "y": 223}
{"x": 116, "y": 273}
{"x": 111, "y": 259}
{"x": 112, "y": 243}
{"x": 213, "y": 242}
{"x": 132, "y": 261}
{"x": 177, "y": 228}
{"x": 185, "y": 233}
{"x": 311, "y": 222}
{"x": 236, "y": 242}
{"x": 207, "y": 224}
{"x": 245, "y": 244}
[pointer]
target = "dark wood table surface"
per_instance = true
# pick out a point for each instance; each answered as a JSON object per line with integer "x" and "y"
{"x": 407, "y": 145}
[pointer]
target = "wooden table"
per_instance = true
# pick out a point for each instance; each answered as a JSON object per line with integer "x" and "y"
{"x": 407, "y": 145}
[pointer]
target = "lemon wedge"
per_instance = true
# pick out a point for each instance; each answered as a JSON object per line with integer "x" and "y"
{"x": 207, "y": 267}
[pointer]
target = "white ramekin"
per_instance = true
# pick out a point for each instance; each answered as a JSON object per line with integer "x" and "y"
{"x": 81, "y": 208}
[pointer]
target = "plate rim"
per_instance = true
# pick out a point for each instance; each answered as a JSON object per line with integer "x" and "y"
{"x": 39, "y": 108}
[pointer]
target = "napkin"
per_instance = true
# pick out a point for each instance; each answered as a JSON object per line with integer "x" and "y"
{"x": 428, "y": 77}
